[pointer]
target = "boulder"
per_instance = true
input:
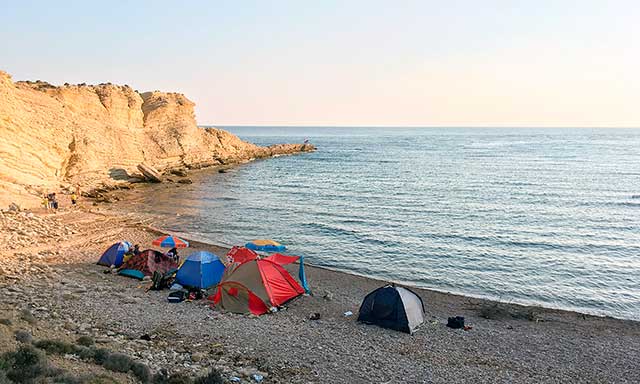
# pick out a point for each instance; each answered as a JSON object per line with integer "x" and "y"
{"x": 150, "y": 173}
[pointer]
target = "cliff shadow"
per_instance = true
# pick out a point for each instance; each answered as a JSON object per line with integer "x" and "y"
{"x": 118, "y": 174}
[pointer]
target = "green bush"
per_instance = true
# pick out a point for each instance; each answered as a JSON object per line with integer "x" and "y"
{"x": 85, "y": 353}
{"x": 85, "y": 341}
{"x": 141, "y": 371}
{"x": 118, "y": 362}
{"x": 25, "y": 364}
{"x": 55, "y": 347}
{"x": 100, "y": 355}
{"x": 3, "y": 377}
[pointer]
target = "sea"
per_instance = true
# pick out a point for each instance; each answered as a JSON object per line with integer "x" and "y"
{"x": 543, "y": 216}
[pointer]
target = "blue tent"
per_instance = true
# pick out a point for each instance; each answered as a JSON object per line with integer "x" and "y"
{"x": 115, "y": 254}
{"x": 200, "y": 270}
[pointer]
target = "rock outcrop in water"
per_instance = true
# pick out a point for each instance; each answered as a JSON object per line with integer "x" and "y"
{"x": 91, "y": 134}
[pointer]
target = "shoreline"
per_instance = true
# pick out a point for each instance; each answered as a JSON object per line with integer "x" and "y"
{"x": 533, "y": 306}
{"x": 53, "y": 275}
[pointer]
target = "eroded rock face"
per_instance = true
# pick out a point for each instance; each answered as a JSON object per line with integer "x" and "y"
{"x": 85, "y": 134}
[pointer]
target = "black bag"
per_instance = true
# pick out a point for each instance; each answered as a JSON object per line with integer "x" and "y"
{"x": 455, "y": 322}
{"x": 176, "y": 297}
{"x": 157, "y": 280}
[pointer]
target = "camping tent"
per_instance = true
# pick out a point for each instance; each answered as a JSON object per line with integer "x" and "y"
{"x": 115, "y": 254}
{"x": 255, "y": 286}
{"x": 281, "y": 259}
{"x": 149, "y": 261}
{"x": 393, "y": 307}
{"x": 240, "y": 255}
{"x": 200, "y": 270}
{"x": 266, "y": 246}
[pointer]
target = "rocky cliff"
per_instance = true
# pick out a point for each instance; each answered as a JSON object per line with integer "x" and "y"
{"x": 89, "y": 134}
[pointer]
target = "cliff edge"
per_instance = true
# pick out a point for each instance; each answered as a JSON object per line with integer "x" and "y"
{"x": 90, "y": 134}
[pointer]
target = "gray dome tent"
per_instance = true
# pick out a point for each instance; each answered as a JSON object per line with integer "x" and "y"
{"x": 393, "y": 307}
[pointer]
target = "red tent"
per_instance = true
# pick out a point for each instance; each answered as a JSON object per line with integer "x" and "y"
{"x": 255, "y": 286}
{"x": 281, "y": 259}
{"x": 240, "y": 255}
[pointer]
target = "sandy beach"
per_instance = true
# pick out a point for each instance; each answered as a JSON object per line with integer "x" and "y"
{"x": 49, "y": 271}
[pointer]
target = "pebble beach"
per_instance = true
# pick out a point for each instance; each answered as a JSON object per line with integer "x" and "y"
{"x": 49, "y": 271}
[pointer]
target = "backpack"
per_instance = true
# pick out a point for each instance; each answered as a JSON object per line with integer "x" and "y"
{"x": 156, "y": 279}
{"x": 161, "y": 281}
{"x": 455, "y": 322}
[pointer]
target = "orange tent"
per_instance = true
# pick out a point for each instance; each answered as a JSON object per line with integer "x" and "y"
{"x": 256, "y": 286}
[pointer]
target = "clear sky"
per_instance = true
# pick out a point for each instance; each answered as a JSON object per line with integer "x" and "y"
{"x": 383, "y": 63}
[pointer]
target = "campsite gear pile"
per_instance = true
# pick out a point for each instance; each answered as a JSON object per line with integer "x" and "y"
{"x": 253, "y": 283}
{"x": 248, "y": 282}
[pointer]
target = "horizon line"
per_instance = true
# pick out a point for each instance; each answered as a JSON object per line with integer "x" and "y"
{"x": 422, "y": 126}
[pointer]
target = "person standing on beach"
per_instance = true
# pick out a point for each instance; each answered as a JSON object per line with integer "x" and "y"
{"x": 45, "y": 202}
{"x": 55, "y": 202}
{"x": 74, "y": 198}
{"x": 50, "y": 198}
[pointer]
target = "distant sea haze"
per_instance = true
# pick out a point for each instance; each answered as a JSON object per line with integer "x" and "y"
{"x": 532, "y": 216}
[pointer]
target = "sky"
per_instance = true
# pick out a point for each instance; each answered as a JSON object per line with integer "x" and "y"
{"x": 495, "y": 63}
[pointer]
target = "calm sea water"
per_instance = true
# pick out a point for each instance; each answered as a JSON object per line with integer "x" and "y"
{"x": 533, "y": 216}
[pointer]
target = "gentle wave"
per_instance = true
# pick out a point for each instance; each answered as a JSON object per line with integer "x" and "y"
{"x": 543, "y": 217}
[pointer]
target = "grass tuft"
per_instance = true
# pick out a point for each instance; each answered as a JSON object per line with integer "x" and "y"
{"x": 6, "y": 322}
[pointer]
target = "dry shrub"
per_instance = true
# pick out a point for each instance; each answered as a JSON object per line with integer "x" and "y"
{"x": 26, "y": 364}
{"x": 55, "y": 347}
{"x": 85, "y": 341}
{"x": 23, "y": 337}
{"x": 213, "y": 377}
{"x": 118, "y": 362}
{"x": 100, "y": 355}
{"x": 27, "y": 316}
{"x": 141, "y": 371}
